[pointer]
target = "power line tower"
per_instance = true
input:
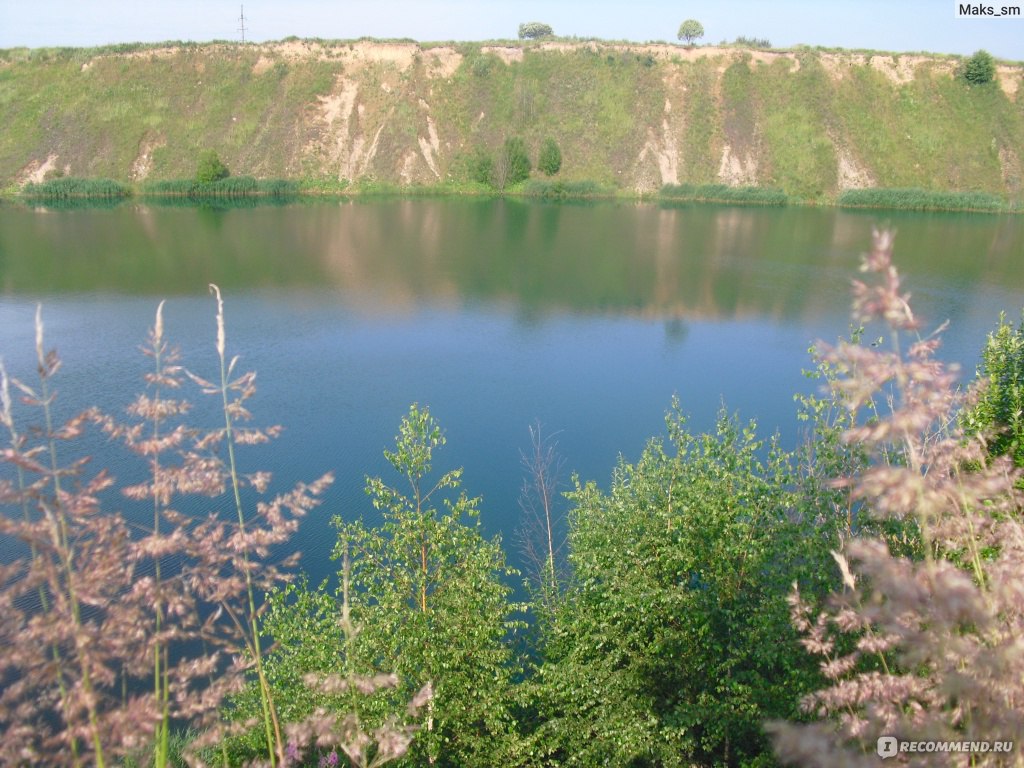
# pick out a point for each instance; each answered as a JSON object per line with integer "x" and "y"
{"x": 241, "y": 23}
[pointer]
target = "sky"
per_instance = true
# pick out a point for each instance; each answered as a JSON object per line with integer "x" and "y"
{"x": 891, "y": 25}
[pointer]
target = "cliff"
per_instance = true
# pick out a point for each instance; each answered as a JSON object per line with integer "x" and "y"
{"x": 635, "y": 117}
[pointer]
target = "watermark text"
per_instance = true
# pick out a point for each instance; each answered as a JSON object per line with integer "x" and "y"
{"x": 890, "y": 746}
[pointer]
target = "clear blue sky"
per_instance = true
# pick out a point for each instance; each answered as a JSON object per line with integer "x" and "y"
{"x": 898, "y": 25}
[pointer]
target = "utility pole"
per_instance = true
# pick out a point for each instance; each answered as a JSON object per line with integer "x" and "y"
{"x": 241, "y": 22}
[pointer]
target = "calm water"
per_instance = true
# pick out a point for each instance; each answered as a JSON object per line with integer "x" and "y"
{"x": 586, "y": 318}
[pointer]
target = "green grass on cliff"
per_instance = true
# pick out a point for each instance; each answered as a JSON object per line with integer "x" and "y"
{"x": 808, "y": 123}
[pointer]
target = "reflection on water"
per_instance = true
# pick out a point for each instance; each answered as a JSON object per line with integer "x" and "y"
{"x": 493, "y": 313}
{"x": 700, "y": 262}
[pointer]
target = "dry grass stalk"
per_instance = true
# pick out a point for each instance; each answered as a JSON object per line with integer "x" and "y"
{"x": 96, "y": 608}
{"x": 929, "y": 647}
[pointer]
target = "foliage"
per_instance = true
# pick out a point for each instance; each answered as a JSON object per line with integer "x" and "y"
{"x": 565, "y": 190}
{"x": 68, "y": 187}
{"x": 979, "y": 69}
{"x": 512, "y": 165}
{"x": 997, "y": 415}
{"x": 428, "y": 593}
{"x": 210, "y": 168}
{"x": 690, "y": 30}
{"x": 924, "y": 647}
{"x": 531, "y": 30}
{"x": 920, "y": 200}
{"x": 753, "y": 42}
{"x": 227, "y": 188}
{"x": 672, "y": 643}
{"x": 549, "y": 162}
{"x": 721, "y": 193}
{"x": 481, "y": 167}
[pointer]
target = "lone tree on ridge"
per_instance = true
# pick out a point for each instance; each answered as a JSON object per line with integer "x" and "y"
{"x": 690, "y": 30}
{"x": 533, "y": 29}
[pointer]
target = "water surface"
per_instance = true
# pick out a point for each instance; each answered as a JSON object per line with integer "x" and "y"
{"x": 496, "y": 314}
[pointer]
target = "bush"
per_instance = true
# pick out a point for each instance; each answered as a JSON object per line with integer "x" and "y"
{"x": 550, "y": 160}
{"x": 531, "y": 30}
{"x": 513, "y": 165}
{"x": 979, "y": 69}
{"x": 998, "y": 414}
{"x": 210, "y": 168}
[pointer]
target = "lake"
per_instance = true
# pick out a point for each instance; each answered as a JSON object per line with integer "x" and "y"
{"x": 586, "y": 318}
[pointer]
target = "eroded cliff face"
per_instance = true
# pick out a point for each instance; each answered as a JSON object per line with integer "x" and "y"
{"x": 633, "y": 116}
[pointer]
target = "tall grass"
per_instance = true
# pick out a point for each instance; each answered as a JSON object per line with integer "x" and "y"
{"x": 71, "y": 188}
{"x": 231, "y": 187}
{"x": 94, "y": 614}
{"x": 565, "y": 190}
{"x": 923, "y": 648}
{"x": 921, "y": 200}
{"x": 721, "y": 193}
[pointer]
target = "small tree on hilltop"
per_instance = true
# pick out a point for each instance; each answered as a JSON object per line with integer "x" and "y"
{"x": 690, "y": 30}
{"x": 980, "y": 68}
{"x": 550, "y": 159}
{"x": 210, "y": 168}
{"x": 531, "y": 30}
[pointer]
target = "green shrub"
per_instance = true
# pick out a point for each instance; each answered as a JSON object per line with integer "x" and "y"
{"x": 979, "y": 69}
{"x": 998, "y": 414}
{"x": 210, "y": 168}
{"x": 512, "y": 166}
{"x": 550, "y": 160}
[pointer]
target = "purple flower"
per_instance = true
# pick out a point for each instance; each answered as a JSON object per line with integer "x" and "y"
{"x": 291, "y": 752}
{"x": 329, "y": 761}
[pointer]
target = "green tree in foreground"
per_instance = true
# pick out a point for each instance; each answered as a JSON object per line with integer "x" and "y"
{"x": 980, "y": 68}
{"x": 550, "y": 159}
{"x": 998, "y": 413}
{"x": 428, "y": 593}
{"x": 673, "y": 643}
{"x": 210, "y": 168}
{"x": 531, "y": 30}
{"x": 690, "y": 30}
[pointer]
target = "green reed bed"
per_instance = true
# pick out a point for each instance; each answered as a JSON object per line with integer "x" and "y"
{"x": 231, "y": 187}
{"x": 721, "y": 193}
{"x": 565, "y": 190}
{"x": 71, "y": 188}
{"x": 913, "y": 199}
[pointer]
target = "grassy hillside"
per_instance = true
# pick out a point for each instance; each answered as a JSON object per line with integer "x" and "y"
{"x": 632, "y": 117}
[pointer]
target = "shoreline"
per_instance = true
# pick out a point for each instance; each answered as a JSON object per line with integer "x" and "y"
{"x": 265, "y": 191}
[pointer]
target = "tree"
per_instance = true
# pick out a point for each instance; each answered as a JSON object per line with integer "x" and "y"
{"x": 550, "y": 159}
{"x": 671, "y": 645}
{"x": 980, "y": 68}
{"x": 690, "y": 30}
{"x": 428, "y": 594}
{"x": 531, "y": 30}
{"x": 513, "y": 164}
{"x": 210, "y": 168}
